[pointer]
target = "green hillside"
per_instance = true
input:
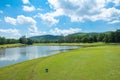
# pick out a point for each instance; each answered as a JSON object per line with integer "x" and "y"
{"x": 45, "y": 37}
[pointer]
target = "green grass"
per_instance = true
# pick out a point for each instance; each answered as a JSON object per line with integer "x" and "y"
{"x": 11, "y": 45}
{"x": 70, "y": 44}
{"x": 91, "y": 63}
{"x": 52, "y": 44}
{"x": 55, "y": 44}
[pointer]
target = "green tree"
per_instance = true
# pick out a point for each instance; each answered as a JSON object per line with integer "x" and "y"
{"x": 2, "y": 40}
{"x": 23, "y": 40}
{"x": 29, "y": 41}
{"x": 117, "y": 36}
{"x": 85, "y": 39}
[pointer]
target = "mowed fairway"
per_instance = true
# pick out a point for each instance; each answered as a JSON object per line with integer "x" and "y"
{"x": 91, "y": 63}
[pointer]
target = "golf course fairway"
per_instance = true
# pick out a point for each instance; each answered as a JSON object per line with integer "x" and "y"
{"x": 90, "y": 63}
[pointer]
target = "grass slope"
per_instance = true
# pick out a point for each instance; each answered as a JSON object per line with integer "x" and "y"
{"x": 11, "y": 45}
{"x": 91, "y": 63}
{"x": 71, "y": 44}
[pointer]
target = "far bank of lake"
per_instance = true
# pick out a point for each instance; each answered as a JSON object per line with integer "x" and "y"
{"x": 52, "y": 44}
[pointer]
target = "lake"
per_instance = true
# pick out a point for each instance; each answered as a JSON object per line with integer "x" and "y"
{"x": 10, "y": 56}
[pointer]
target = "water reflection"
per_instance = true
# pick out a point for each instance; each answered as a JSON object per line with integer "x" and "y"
{"x": 9, "y": 54}
{"x": 2, "y": 53}
{"x": 14, "y": 55}
{"x": 32, "y": 52}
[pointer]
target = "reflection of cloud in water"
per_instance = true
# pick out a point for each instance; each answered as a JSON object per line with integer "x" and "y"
{"x": 50, "y": 50}
{"x": 32, "y": 52}
{"x": 10, "y": 54}
{"x": 23, "y": 51}
{"x": 2, "y": 53}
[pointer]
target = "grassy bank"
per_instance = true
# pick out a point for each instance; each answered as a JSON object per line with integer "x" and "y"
{"x": 10, "y": 45}
{"x": 51, "y": 44}
{"x": 70, "y": 44}
{"x": 91, "y": 63}
{"x": 56, "y": 44}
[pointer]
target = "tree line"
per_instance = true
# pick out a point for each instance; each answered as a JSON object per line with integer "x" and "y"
{"x": 107, "y": 37}
{"x": 3, "y": 40}
{"x": 22, "y": 40}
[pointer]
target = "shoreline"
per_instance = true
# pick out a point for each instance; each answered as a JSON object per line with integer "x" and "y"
{"x": 11, "y": 46}
{"x": 57, "y": 44}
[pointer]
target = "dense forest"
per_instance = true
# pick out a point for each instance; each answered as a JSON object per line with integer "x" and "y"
{"x": 108, "y": 37}
{"x": 22, "y": 40}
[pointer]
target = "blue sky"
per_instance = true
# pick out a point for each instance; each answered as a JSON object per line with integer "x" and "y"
{"x": 57, "y": 17}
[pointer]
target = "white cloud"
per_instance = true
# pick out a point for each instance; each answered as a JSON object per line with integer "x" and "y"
{"x": 21, "y": 19}
{"x": 25, "y": 1}
{"x": 77, "y": 10}
{"x": 49, "y": 18}
{"x": 1, "y": 11}
{"x": 116, "y": 2}
{"x": 24, "y": 21}
{"x": 10, "y": 33}
{"x": 114, "y": 22}
{"x": 82, "y": 10}
{"x": 28, "y": 8}
{"x": 10, "y": 20}
{"x": 109, "y": 15}
{"x": 64, "y": 32}
{"x": 57, "y": 31}
{"x": 28, "y": 21}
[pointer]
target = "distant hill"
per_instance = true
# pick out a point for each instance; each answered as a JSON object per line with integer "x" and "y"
{"x": 45, "y": 37}
{"x": 90, "y": 34}
{"x": 82, "y": 34}
{"x": 70, "y": 36}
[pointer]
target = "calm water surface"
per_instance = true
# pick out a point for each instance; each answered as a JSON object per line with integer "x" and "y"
{"x": 19, "y": 54}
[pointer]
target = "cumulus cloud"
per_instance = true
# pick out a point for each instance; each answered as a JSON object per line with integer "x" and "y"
{"x": 57, "y": 31}
{"x": 10, "y": 33}
{"x": 10, "y": 20}
{"x": 81, "y": 10}
{"x": 64, "y": 32}
{"x": 107, "y": 15}
{"x": 116, "y": 2}
{"x": 114, "y": 22}
{"x": 25, "y": 1}
{"x": 28, "y": 8}
{"x": 28, "y": 21}
{"x": 21, "y": 19}
{"x": 78, "y": 10}
{"x": 25, "y": 21}
{"x": 50, "y": 17}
